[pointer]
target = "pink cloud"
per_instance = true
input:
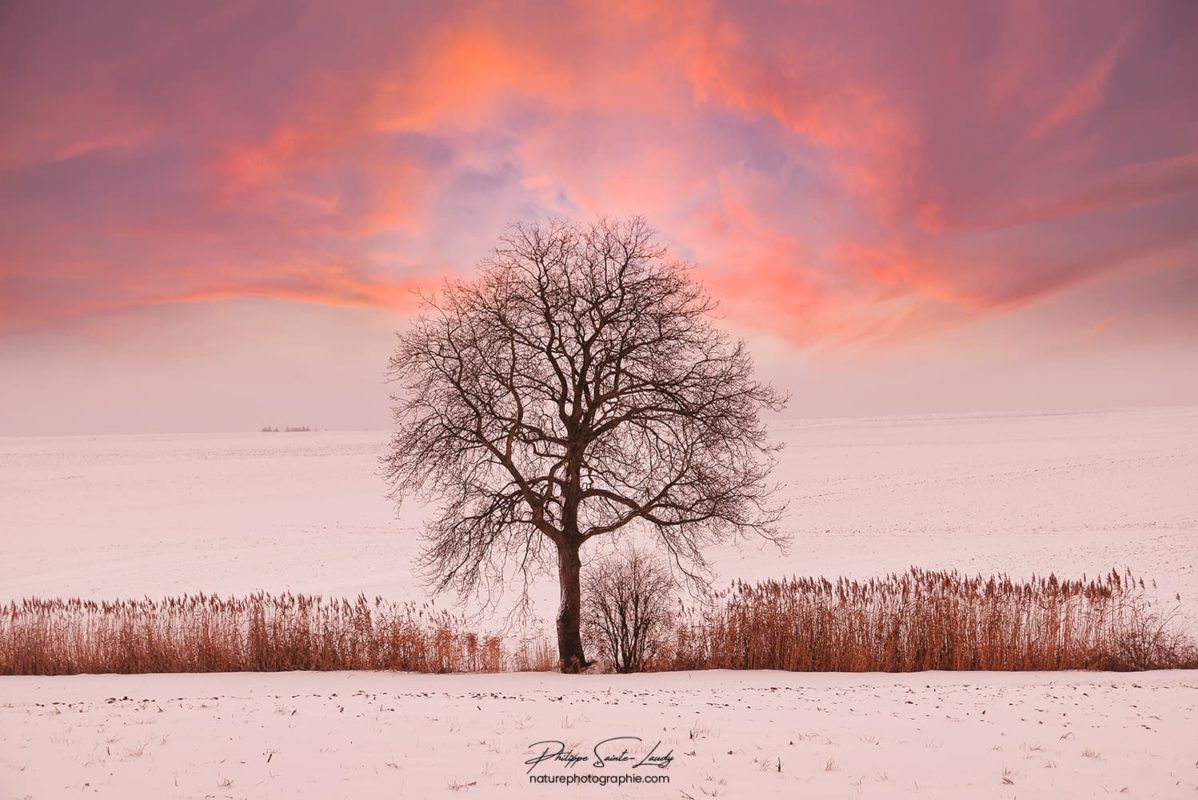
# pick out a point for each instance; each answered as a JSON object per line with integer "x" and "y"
{"x": 838, "y": 176}
{"x": 1086, "y": 95}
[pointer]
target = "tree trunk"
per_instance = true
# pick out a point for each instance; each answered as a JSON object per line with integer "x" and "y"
{"x": 569, "y": 636}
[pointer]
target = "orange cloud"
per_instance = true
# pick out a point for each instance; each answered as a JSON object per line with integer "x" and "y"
{"x": 837, "y": 176}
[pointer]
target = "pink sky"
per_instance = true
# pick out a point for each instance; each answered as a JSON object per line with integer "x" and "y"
{"x": 214, "y": 214}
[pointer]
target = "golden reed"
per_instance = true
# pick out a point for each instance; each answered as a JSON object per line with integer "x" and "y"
{"x": 259, "y": 633}
{"x": 918, "y": 620}
{"x": 924, "y": 620}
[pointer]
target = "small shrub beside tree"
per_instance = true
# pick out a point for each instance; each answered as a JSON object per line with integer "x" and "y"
{"x": 627, "y": 612}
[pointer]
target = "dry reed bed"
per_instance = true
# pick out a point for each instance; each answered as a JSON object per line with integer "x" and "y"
{"x": 924, "y": 620}
{"x": 259, "y": 633}
{"x": 917, "y": 620}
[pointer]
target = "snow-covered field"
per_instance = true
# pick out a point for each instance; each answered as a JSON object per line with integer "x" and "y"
{"x": 105, "y": 517}
{"x": 729, "y": 735}
{"x": 110, "y": 516}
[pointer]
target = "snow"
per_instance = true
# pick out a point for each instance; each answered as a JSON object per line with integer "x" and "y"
{"x": 731, "y": 735}
{"x": 121, "y": 516}
{"x": 111, "y": 516}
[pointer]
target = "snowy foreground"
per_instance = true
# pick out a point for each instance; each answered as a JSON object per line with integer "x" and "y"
{"x": 721, "y": 734}
{"x": 108, "y": 517}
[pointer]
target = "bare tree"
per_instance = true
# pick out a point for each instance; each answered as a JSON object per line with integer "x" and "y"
{"x": 627, "y": 608}
{"x": 574, "y": 389}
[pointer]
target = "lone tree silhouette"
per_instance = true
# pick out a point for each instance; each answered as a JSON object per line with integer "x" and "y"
{"x": 576, "y": 388}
